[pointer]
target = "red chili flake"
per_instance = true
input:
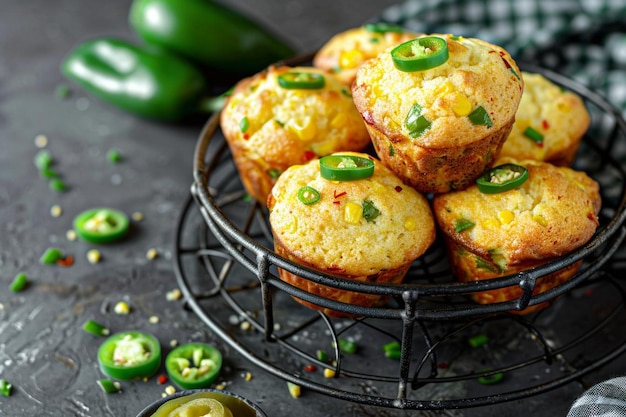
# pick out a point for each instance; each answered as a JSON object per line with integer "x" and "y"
{"x": 398, "y": 188}
{"x": 246, "y": 136}
{"x": 336, "y": 202}
{"x": 591, "y": 216}
{"x": 545, "y": 124}
{"x": 66, "y": 261}
{"x": 333, "y": 268}
{"x": 162, "y": 379}
{"x": 341, "y": 194}
{"x": 559, "y": 197}
{"x": 310, "y": 368}
{"x": 308, "y": 155}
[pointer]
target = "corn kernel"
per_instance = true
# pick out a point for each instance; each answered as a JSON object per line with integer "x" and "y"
{"x": 71, "y": 235}
{"x": 56, "y": 211}
{"x": 444, "y": 89}
{"x": 329, "y": 373}
{"x": 294, "y": 390}
{"x": 353, "y": 213}
{"x": 540, "y": 219}
{"x": 410, "y": 224}
{"x": 339, "y": 121}
{"x": 506, "y": 216}
{"x": 173, "y": 295}
{"x": 169, "y": 390}
{"x": 121, "y": 308}
{"x": 153, "y": 319}
{"x": 248, "y": 376}
{"x": 93, "y": 256}
{"x": 564, "y": 107}
{"x": 462, "y": 105}
{"x": 490, "y": 223}
{"x": 350, "y": 59}
{"x": 293, "y": 225}
{"x": 137, "y": 216}
{"x": 305, "y": 129}
{"x": 152, "y": 254}
{"x": 41, "y": 141}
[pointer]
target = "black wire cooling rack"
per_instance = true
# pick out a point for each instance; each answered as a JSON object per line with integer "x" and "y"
{"x": 452, "y": 353}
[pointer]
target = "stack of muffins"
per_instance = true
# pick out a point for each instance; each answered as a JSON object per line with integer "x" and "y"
{"x": 465, "y": 143}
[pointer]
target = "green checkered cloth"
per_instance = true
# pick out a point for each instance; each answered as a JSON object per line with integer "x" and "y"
{"x": 583, "y": 39}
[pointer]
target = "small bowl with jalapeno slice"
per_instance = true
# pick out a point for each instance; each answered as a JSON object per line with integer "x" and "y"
{"x": 207, "y": 402}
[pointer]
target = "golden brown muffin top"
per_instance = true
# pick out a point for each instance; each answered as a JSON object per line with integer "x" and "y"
{"x": 346, "y": 51}
{"x": 558, "y": 115}
{"x": 358, "y": 227}
{"x": 291, "y": 125}
{"x": 554, "y": 212}
{"x": 476, "y": 75}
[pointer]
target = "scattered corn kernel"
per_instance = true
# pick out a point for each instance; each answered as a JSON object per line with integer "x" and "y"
{"x": 154, "y": 319}
{"x": 248, "y": 376}
{"x": 220, "y": 386}
{"x": 305, "y": 129}
{"x": 506, "y": 216}
{"x": 169, "y": 390}
{"x": 137, "y": 216}
{"x": 173, "y": 295}
{"x": 350, "y": 59}
{"x": 71, "y": 235}
{"x": 462, "y": 105}
{"x": 94, "y": 256}
{"x": 121, "y": 308}
{"x": 339, "y": 120}
{"x": 41, "y": 141}
{"x": 353, "y": 212}
{"x": 294, "y": 390}
{"x": 152, "y": 254}
{"x": 409, "y": 223}
{"x": 245, "y": 325}
{"x": 173, "y": 343}
{"x": 329, "y": 373}
{"x": 540, "y": 219}
{"x": 444, "y": 88}
{"x": 491, "y": 223}
{"x": 56, "y": 211}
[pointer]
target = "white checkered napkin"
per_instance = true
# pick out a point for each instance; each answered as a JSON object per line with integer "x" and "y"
{"x": 606, "y": 399}
{"x": 584, "y": 39}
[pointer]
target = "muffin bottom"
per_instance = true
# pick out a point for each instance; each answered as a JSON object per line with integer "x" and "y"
{"x": 469, "y": 267}
{"x": 439, "y": 170}
{"x": 389, "y": 276}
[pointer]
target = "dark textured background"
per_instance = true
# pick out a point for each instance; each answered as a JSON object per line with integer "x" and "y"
{"x": 43, "y": 352}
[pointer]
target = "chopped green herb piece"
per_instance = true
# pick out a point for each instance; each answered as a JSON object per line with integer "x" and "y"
{"x": 19, "y": 282}
{"x": 279, "y": 123}
{"x": 393, "y": 354}
{"x": 478, "y": 340}
{"x": 5, "y": 388}
{"x": 48, "y": 173}
{"x": 109, "y": 387}
{"x": 114, "y": 156}
{"x": 416, "y": 122}
{"x": 391, "y": 346}
{"x": 95, "y": 328}
{"x": 370, "y": 212}
{"x": 491, "y": 379}
{"x": 515, "y": 73}
{"x": 51, "y": 256}
{"x": 482, "y": 264}
{"x": 274, "y": 173}
{"x": 479, "y": 116}
{"x": 43, "y": 159}
{"x": 62, "y": 91}
{"x": 533, "y": 135}
{"x": 392, "y": 150}
{"x": 346, "y": 92}
{"x": 347, "y": 346}
{"x": 322, "y": 356}
{"x": 374, "y": 40}
{"x": 463, "y": 224}
{"x": 244, "y": 124}
{"x": 57, "y": 185}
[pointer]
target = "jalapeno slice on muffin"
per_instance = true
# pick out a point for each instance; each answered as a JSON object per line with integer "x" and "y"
{"x": 420, "y": 54}
{"x": 345, "y": 167}
{"x": 502, "y": 178}
{"x": 301, "y": 80}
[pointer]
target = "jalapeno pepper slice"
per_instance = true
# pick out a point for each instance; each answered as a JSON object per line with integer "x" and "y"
{"x": 129, "y": 355}
{"x": 193, "y": 365}
{"x": 346, "y": 167}
{"x": 301, "y": 80}
{"x": 502, "y": 178}
{"x": 420, "y": 54}
{"x": 101, "y": 225}
{"x": 308, "y": 195}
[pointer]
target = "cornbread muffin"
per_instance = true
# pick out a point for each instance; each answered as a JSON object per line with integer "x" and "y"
{"x": 346, "y": 51}
{"x": 492, "y": 235}
{"x": 269, "y": 127}
{"x": 367, "y": 230}
{"x": 549, "y": 124}
{"x": 438, "y": 129}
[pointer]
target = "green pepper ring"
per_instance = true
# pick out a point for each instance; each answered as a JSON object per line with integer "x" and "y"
{"x": 301, "y": 80}
{"x": 118, "y": 222}
{"x": 186, "y": 352}
{"x": 487, "y": 187}
{"x": 143, "y": 369}
{"x": 420, "y": 54}
{"x": 330, "y": 168}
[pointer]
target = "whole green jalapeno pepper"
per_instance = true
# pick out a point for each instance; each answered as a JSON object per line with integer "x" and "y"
{"x": 147, "y": 82}
{"x": 208, "y": 33}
